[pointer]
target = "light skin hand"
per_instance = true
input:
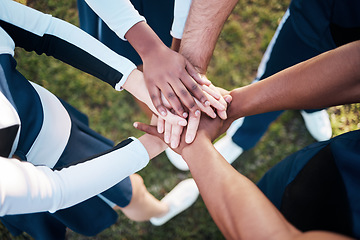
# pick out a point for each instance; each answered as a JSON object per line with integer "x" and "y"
{"x": 211, "y": 128}
{"x": 172, "y": 136}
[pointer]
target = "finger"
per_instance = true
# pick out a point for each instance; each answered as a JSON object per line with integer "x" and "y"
{"x": 176, "y": 131}
{"x": 167, "y": 132}
{"x": 184, "y": 95}
{"x": 165, "y": 101}
{"x": 212, "y": 92}
{"x": 147, "y": 129}
{"x": 228, "y": 98}
{"x": 192, "y": 128}
{"x": 219, "y": 105}
{"x": 222, "y": 114}
{"x": 200, "y": 79}
{"x": 173, "y": 118}
{"x": 160, "y": 125}
{"x": 194, "y": 89}
{"x": 208, "y": 109}
{"x": 172, "y": 97}
{"x": 156, "y": 100}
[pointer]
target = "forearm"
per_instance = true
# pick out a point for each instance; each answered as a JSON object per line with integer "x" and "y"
{"x": 153, "y": 145}
{"x": 205, "y": 21}
{"x": 144, "y": 40}
{"x": 237, "y": 206}
{"x": 329, "y": 79}
{"x": 64, "y": 41}
{"x": 25, "y": 188}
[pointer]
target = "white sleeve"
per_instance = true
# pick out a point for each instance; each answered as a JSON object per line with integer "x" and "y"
{"x": 181, "y": 11}
{"x": 42, "y": 33}
{"x": 119, "y": 15}
{"x": 25, "y": 188}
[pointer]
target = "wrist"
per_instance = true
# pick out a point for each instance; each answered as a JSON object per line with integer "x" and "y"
{"x": 200, "y": 143}
{"x": 144, "y": 40}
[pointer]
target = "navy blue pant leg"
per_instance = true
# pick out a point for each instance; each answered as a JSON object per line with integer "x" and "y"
{"x": 287, "y": 51}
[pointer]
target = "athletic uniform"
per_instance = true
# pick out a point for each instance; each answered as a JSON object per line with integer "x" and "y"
{"x": 308, "y": 28}
{"x": 318, "y": 187}
{"x": 44, "y": 130}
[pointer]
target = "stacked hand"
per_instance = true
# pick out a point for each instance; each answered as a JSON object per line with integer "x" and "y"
{"x": 217, "y": 107}
{"x": 207, "y": 126}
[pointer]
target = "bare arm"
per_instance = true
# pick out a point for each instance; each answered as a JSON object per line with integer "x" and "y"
{"x": 205, "y": 21}
{"x": 329, "y": 79}
{"x": 238, "y": 207}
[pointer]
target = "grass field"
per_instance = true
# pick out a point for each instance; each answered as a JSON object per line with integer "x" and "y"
{"x": 234, "y": 64}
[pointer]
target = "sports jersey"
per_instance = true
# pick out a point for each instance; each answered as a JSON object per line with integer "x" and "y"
{"x": 317, "y": 188}
{"x": 45, "y": 130}
{"x": 326, "y": 24}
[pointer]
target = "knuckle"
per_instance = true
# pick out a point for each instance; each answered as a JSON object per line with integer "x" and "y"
{"x": 180, "y": 109}
{"x": 183, "y": 92}
{"x": 192, "y": 105}
{"x": 153, "y": 97}
{"x": 194, "y": 87}
{"x": 170, "y": 95}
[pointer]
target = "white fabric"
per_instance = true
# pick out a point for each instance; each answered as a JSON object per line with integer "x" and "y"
{"x": 54, "y": 133}
{"x": 40, "y": 24}
{"x": 7, "y": 45}
{"x": 25, "y": 188}
{"x": 119, "y": 15}
{"x": 181, "y": 11}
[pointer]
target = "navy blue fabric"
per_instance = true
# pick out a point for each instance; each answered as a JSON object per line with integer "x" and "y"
{"x": 50, "y": 227}
{"x": 16, "y": 88}
{"x": 288, "y": 50}
{"x": 312, "y": 19}
{"x": 345, "y": 151}
{"x": 159, "y": 15}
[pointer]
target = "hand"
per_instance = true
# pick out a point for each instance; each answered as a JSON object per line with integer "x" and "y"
{"x": 172, "y": 132}
{"x": 169, "y": 73}
{"x": 208, "y": 128}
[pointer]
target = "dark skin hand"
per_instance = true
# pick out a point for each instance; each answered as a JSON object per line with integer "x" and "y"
{"x": 167, "y": 72}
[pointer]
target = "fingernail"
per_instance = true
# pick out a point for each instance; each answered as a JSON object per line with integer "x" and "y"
{"x": 135, "y": 125}
{"x": 182, "y": 123}
{"x": 188, "y": 139}
{"x": 207, "y": 103}
{"x": 163, "y": 113}
{"x": 173, "y": 145}
{"x": 228, "y": 99}
{"x": 185, "y": 114}
{"x": 197, "y": 113}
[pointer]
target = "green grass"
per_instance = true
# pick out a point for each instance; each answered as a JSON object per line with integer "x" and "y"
{"x": 237, "y": 55}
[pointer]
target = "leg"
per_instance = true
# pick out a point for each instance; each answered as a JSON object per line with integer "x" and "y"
{"x": 285, "y": 49}
{"x": 143, "y": 205}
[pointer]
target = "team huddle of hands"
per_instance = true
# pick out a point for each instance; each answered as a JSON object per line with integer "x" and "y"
{"x": 178, "y": 108}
